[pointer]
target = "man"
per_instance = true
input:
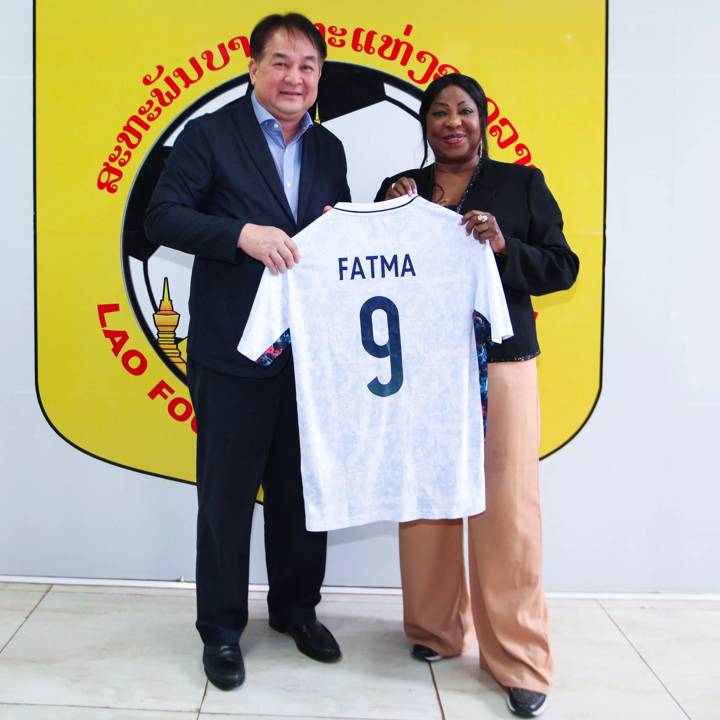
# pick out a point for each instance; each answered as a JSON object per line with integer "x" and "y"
{"x": 237, "y": 185}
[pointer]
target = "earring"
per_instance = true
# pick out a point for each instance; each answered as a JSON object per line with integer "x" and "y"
{"x": 480, "y": 151}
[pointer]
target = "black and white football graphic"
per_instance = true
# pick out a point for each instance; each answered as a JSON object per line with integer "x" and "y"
{"x": 374, "y": 115}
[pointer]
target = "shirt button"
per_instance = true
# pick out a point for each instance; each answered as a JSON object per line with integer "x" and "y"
{"x": 289, "y": 184}
{"x": 276, "y": 126}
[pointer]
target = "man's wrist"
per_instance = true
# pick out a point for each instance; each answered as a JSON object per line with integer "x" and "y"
{"x": 244, "y": 230}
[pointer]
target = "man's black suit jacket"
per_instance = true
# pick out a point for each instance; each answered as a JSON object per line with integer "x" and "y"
{"x": 219, "y": 176}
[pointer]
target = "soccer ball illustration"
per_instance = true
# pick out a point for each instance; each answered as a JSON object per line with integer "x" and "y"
{"x": 374, "y": 114}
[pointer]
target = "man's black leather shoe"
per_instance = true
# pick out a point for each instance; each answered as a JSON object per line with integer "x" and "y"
{"x": 312, "y": 639}
{"x": 224, "y": 666}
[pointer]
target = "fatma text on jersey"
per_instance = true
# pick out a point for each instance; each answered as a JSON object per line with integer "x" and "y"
{"x": 375, "y": 266}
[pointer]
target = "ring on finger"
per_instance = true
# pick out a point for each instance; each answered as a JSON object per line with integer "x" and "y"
{"x": 482, "y": 218}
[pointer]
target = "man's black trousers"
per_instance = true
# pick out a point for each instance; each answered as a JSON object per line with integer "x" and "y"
{"x": 248, "y": 434}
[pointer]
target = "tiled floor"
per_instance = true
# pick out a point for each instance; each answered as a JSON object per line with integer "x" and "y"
{"x": 110, "y": 653}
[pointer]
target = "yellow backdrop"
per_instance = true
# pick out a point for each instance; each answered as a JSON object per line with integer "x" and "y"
{"x": 103, "y": 383}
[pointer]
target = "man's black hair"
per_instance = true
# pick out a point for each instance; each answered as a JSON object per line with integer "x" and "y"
{"x": 292, "y": 23}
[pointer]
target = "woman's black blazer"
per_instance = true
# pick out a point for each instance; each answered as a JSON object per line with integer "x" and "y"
{"x": 539, "y": 259}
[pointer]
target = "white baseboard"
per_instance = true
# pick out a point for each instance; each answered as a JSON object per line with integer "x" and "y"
{"x": 182, "y": 584}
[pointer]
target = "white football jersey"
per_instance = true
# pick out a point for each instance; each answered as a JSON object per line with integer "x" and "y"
{"x": 380, "y": 310}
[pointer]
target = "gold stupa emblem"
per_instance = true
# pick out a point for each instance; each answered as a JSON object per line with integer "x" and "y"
{"x": 166, "y": 322}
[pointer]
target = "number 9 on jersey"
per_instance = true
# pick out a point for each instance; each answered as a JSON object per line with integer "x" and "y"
{"x": 391, "y": 349}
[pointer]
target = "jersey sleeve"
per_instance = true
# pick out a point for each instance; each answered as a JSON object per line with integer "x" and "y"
{"x": 489, "y": 296}
{"x": 266, "y": 332}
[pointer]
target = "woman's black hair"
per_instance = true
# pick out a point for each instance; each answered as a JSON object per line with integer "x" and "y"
{"x": 471, "y": 87}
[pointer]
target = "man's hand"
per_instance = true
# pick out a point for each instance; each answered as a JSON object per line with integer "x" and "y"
{"x": 271, "y": 246}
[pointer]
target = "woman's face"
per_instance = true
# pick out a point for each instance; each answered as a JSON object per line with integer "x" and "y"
{"x": 453, "y": 126}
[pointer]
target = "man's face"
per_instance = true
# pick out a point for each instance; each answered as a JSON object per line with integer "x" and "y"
{"x": 286, "y": 77}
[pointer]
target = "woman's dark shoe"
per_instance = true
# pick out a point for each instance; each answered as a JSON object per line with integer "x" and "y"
{"x": 224, "y": 666}
{"x": 424, "y": 653}
{"x": 526, "y": 703}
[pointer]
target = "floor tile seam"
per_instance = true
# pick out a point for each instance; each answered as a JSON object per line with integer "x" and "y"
{"x": 59, "y": 590}
{"x": 202, "y": 701}
{"x": 294, "y": 716}
{"x": 96, "y": 707}
{"x": 437, "y": 692}
{"x": 665, "y": 609}
{"x": 25, "y": 619}
{"x": 645, "y": 661}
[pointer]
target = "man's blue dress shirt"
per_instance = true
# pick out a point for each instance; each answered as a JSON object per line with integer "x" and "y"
{"x": 287, "y": 157}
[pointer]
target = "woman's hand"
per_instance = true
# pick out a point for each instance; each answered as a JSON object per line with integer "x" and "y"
{"x": 402, "y": 186}
{"x": 484, "y": 228}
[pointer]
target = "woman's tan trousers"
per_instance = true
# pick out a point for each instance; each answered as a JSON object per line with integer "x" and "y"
{"x": 506, "y": 602}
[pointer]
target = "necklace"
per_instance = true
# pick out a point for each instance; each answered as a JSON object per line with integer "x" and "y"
{"x": 471, "y": 184}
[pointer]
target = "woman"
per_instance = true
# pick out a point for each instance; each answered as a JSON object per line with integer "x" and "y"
{"x": 510, "y": 207}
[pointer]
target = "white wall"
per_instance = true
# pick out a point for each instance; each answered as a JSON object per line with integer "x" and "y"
{"x": 630, "y": 505}
{"x": 632, "y": 502}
